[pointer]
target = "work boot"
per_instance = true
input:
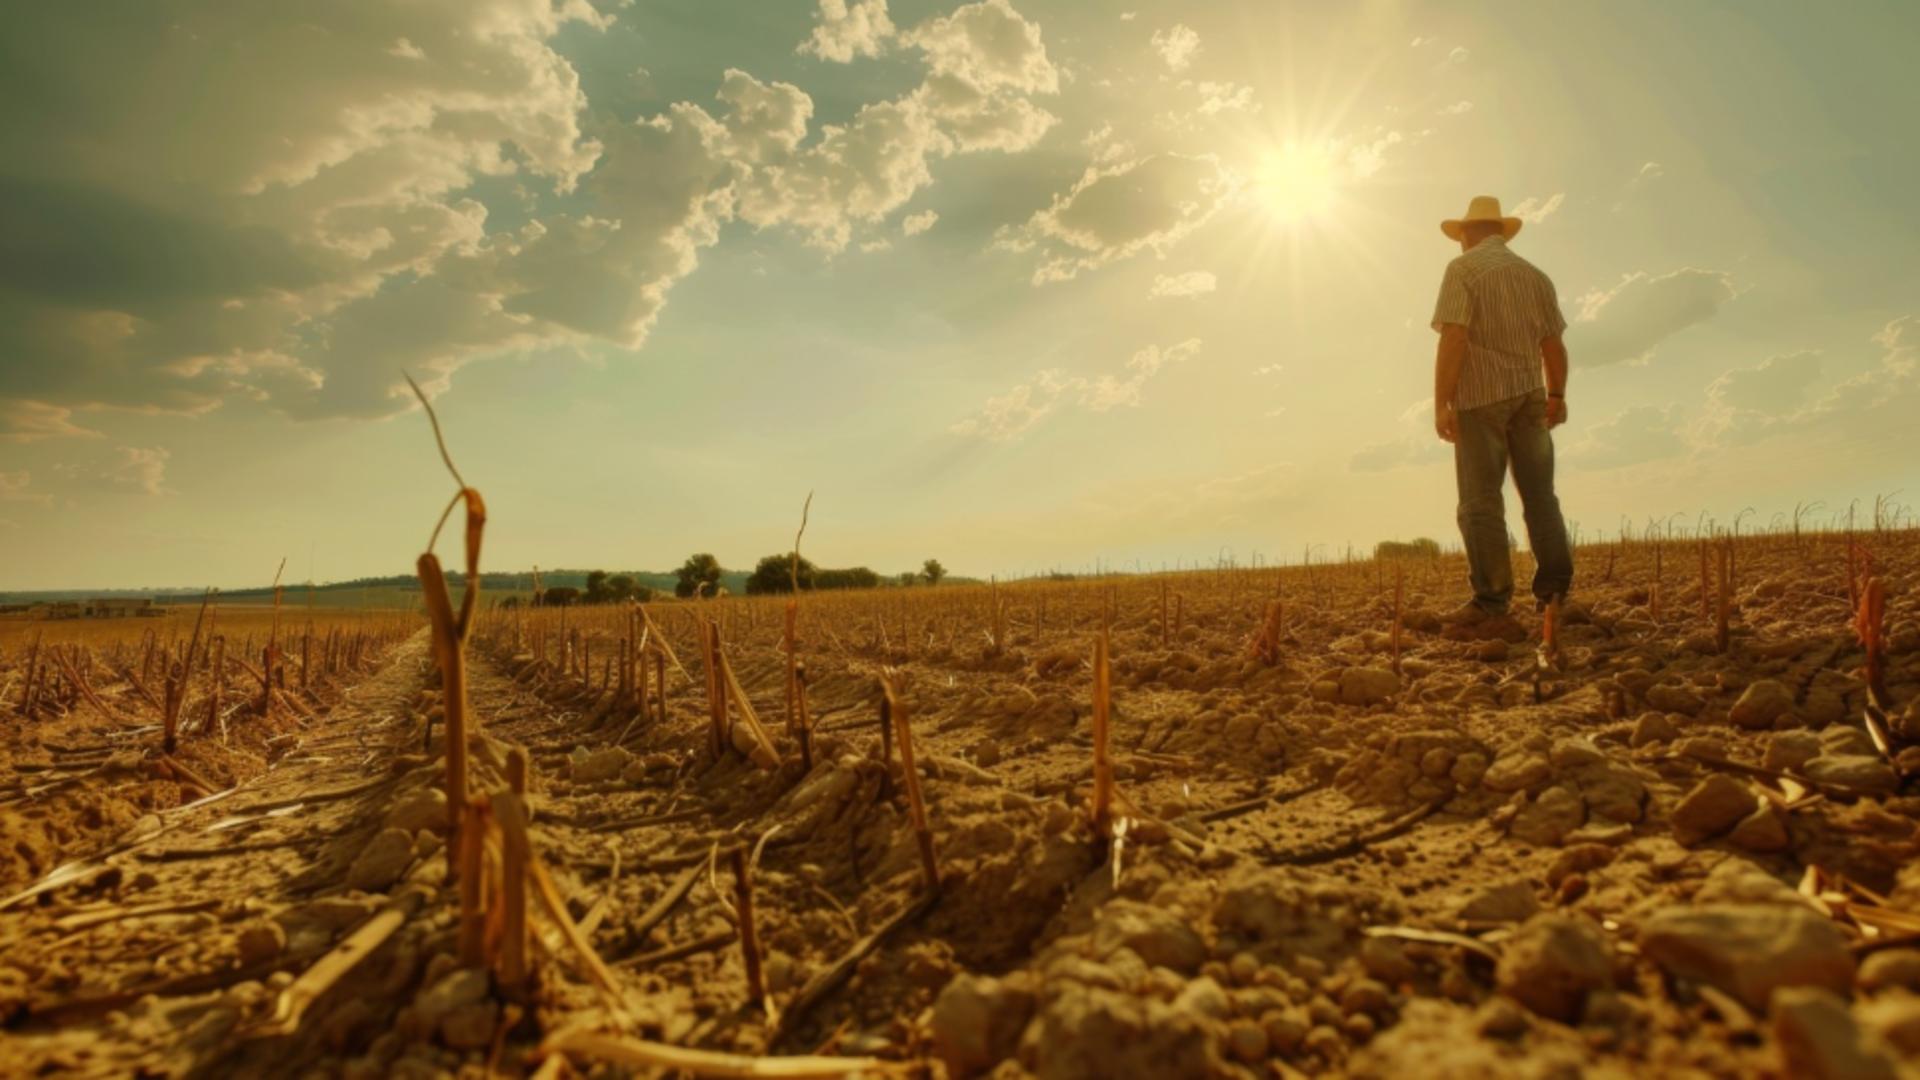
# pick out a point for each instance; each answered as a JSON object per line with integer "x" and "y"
{"x": 1471, "y": 622}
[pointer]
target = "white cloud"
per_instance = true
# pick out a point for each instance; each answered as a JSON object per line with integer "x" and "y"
{"x": 311, "y": 231}
{"x": 915, "y": 224}
{"x": 1534, "y": 210}
{"x": 846, "y": 30}
{"x": 1112, "y": 213}
{"x": 1458, "y": 55}
{"x": 1780, "y": 396}
{"x": 1624, "y": 323}
{"x": 1177, "y": 45}
{"x": 1191, "y": 283}
{"x": 142, "y": 469}
{"x": 1006, "y": 417}
{"x": 16, "y": 487}
{"x": 1219, "y": 97}
{"x": 1458, "y": 108}
{"x": 28, "y": 421}
{"x": 1633, "y": 436}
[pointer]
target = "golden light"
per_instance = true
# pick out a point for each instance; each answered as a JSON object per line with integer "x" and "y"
{"x": 1298, "y": 182}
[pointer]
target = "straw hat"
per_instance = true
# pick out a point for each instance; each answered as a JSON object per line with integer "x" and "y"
{"x": 1482, "y": 208}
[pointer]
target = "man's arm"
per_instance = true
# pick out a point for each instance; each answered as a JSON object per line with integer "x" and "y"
{"x": 1553, "y": 354}
{"x": 1447, "y": 361}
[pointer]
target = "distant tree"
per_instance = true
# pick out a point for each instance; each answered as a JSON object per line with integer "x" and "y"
{"x": 908, "y": 577}
{"x": 622, "y": 587}
{"x": 597, "y": 587}
{"x": 561, "y": 596}
{"x": 1420, "y": 548}
{"x": 933, "y": 571}
{"x": 699, "y": 575}
{"x": 858, "y": 577}
{"x": 775, "y": 573}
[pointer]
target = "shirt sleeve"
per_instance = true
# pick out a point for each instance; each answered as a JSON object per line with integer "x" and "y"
{"x": 1453, "y": 305}
{"x": 1553, "y": 318}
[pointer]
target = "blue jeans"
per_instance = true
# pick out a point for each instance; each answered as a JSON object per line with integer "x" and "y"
{"x": 1490, "y": 436}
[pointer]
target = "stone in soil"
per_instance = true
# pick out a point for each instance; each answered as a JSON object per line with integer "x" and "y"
{"x": 421, "y": 808}
{"x": 1890, "y": 969}
{"x": 1367, "y": 686}
{"x": 382, "y": 861}
{"x": 261, "y": 941}
{"x": 1865, "y": 774}
{"x": 1789, "y": 750}
{"x": 1552, "y": 963}
{"x": 596, "y": 766}
{"x": 1653, "y": 727}
{"x": 1083, "y": 1031}
{"x": 1517, "y": 771}
{"x": 1819, "y": 1039}
{"x": 1764, "y": 830}
{"x": 1749, "y": 950}
{"x": 977, "y": 1020}
{"x": 1715, "y": 805}
{"x": 1547, "y": 820}
{"x": 1762, "y": 706}
{"x": 1509, "y": 901}
{"x": 1159, "y": 936}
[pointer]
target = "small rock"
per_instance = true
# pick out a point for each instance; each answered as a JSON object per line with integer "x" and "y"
{"x": 382, "y": 861}
{"x": 261, "y": 941}
{"x": 1502, "y": 1019}
{"x": 1159, "y": 936}
{"x": 1509, "y": 901}
{"x": 1492, "y": 651}
{"x": 1760, "y": 705}
{"x": 458, "y": 988}
{"x": 1819, "y": 1039}
{"x": 1889, "y": 969}
{"x": 1574, "y": 753}
{"x": 1789, "y": 750}
{"x": 1895, "y": 1018}
{"x": 1367, "y": 686}
{"x": 1203, "y": 997}
{"x": 597, "y": 766}
{"x": 977, "y": 1021}
{"x": 1517, "y": 772}
{"x": 1366, "y": 996}
{"x": 1552, "y": 963}
{"x": 1856, "y": 772}
{"x": 1653, "y": 727}
{"x": 1714, "y": 806}
{"x": 470, "y": 1027}
{"x": 1386, "y": 959}
{"x": 1286, "y": 1030}
{"x": 421, "y": 808}
{"x": 1749, "y": 950}
{"x": 1764, "y": 830}
{"x": 1846, "y": 739}
{"x": 1548, "y": 819}
{"x": 1468, "y": 769}
{"x": 1675, "y": 698}
{"x": 1248, "y": 1041}
{"x": 1578, "y": 859}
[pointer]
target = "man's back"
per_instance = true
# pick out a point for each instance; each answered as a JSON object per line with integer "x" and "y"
{"x": 1508, "y": 307}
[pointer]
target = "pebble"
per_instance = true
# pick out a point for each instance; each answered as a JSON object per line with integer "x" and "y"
{"x": 1285, "y": 1030}
{"x": 1819, "y": 1039}
{"x": 977, "y": 1020}
{"x": 382, "y": 861}
{"x": 1868, "y": 775}
{"x": 1509, "y": 901}
{"x": 470, "y": 1026}
{"x": 1367, "y": 686}
{"x": 1889, "y": 969}
{"x": 1157, "y": 935}
{"x": 261, "y": 941}
{"x": 1552, "y": 963}
{"x": 1714, "y": 806}
{"x": 1547, "y": 820}
{"x": 1788, "y": 750}
{"x": 1749, "y": 950}
{"x": 1248, "y": 1041}
{"x": 1764, "y": 830}
{"x": 421, "y": 808}
{"x": 1517, "y": 772}
{"x": 1675, "y": 698}
{"x": 1762, "y": 706}
{"x": 1653, "y": 727}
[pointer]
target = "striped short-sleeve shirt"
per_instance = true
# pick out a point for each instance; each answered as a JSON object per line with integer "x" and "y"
{"x": 1508, "y": 307}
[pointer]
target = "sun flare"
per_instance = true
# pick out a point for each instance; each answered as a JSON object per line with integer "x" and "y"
{"x": 1298, "y": 182}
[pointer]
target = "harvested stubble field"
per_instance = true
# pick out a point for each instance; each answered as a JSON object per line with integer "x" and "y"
{"x": 1290, "y": 828}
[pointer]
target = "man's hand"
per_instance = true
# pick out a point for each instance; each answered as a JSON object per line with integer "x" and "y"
{"x": 1556, "y": 412}
{"x": 1446, "y": 423}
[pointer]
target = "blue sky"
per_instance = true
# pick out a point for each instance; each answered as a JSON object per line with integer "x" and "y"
{"x": 1017, "y": 285}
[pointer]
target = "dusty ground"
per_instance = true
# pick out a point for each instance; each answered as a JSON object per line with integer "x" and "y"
{"x": 1327, "y": 867}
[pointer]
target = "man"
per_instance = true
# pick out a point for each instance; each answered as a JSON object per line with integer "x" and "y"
{"x": 1499, "y": 388}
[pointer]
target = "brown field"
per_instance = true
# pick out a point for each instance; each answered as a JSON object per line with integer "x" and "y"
{"x": 1290, "y": 828}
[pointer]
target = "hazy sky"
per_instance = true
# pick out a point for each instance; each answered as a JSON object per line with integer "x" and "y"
{"x": 1012, "y": 284}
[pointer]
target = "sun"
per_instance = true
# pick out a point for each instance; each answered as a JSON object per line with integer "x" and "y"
{"x": 1298, "y": 182}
